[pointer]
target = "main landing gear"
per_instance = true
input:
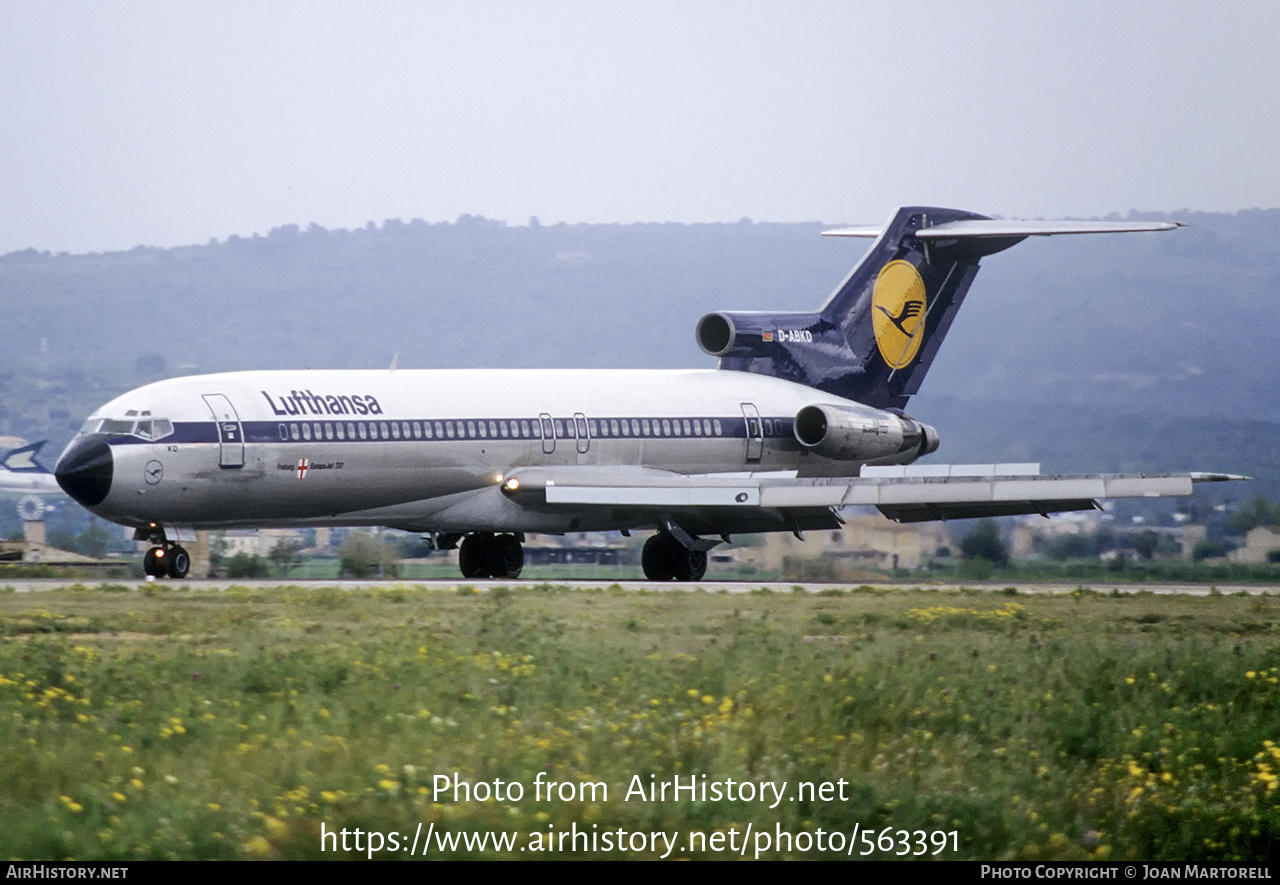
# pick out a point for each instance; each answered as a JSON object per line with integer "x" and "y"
{"x": 666, "y": 559}
{"x": 483, "y": 555}
{"x": 164, "y": 559}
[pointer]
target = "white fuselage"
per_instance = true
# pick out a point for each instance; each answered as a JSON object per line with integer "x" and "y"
{"x": 427, "y": 450}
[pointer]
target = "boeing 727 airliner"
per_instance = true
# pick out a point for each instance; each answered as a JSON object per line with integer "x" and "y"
{"x": 803, "y": 416}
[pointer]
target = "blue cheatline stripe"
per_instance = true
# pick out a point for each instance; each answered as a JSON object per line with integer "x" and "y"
{"x": 467, "y": 430}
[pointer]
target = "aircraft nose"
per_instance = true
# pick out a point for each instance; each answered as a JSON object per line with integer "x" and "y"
{"x": 85, "y": 468}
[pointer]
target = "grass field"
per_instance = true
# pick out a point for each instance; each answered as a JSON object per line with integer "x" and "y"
{"x": 157, "y": 722}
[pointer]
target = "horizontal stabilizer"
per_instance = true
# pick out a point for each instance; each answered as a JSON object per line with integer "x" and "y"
{"x": 985, "y": 227}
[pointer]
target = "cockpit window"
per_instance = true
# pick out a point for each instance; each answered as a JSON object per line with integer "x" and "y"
{"x": 147, "y": 428}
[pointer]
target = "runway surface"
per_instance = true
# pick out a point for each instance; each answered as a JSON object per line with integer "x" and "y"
{"x": 45, "y": 584}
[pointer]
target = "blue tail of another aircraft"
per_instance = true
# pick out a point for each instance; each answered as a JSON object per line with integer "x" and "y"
{"x": 875, "y": 338}
{"x": 23, "y": 460}
{"x": 21, "y": 473}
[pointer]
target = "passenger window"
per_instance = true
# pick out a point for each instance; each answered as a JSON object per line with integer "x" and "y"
{"x": 717, "y": 425}
{"x": 364, "y": 431}
{"x": 328, "y": 431}
{"x": 293, "y": 432}
{"x": 338, "y": 428}
{"x": 306, "y": 431}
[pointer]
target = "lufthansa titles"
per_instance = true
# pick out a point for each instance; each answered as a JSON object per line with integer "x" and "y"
{"x": 304, "y": 402}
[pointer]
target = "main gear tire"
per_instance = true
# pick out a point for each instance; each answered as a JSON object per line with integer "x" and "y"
{"x": 506, "y": 557}
{"x": 473, "y": 556}
{"x": 179, "y": 562}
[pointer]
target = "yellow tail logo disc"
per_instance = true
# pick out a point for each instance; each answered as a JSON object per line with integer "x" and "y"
{"x": 898, "y": 308}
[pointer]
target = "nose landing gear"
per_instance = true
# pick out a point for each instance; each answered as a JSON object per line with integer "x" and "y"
{"x": 170, "y": 562}
{"x": 164, "y": 559}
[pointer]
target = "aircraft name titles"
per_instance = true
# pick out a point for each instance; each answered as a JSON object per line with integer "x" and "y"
{"x": 305, "y": 402}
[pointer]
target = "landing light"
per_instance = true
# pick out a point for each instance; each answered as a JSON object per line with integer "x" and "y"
{"x": 512, "y": 484}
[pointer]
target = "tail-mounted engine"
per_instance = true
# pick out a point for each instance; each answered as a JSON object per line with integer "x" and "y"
{"x": 758, "y": 334}
{"x": 846, "y": 433}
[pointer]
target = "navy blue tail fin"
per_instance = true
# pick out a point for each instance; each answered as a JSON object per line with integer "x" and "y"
{"x": 874, "y": 339}
{"x": 896, "y": 306}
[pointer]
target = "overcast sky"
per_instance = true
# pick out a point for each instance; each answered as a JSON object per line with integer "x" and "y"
{"x": 177, "y": 122}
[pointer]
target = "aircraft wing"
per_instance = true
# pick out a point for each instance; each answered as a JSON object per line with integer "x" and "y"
{"x": 904, "y": 494}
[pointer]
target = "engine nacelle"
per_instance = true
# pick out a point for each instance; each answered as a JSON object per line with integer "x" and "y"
{"x": 850, "y": 433}
{"x": 754, "y": 334}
